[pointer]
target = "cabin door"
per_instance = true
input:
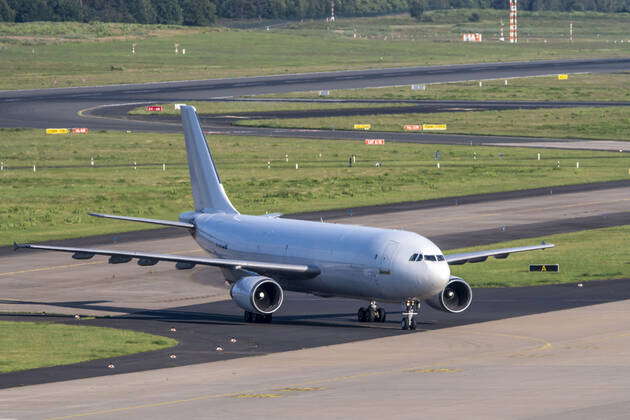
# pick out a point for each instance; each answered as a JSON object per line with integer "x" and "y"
{"x": 385, "y": 264}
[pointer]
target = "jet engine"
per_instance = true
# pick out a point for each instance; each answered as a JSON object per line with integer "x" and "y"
{"x": 257, "y": 294}
{"x": 455, "y": 297}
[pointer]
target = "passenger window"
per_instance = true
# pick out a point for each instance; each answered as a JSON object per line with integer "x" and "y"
{"x": 430, "y": 257}
{"x": 419, "y": 257}
{"x": 413, "y": 257}
{"x": 440, "y": 257}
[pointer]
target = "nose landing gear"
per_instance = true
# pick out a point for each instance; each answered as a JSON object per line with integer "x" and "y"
{"x": 371, "y": 314}
{"x": 410, "y": 311}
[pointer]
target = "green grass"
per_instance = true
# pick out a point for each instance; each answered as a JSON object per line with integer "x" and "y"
{"x": 30, "y": 345}
{"x": 611, "y": 123}
{"x": 53, "y": 203}
{"x": 255, "y": 106}
{"x": 40, "y": 55}
{"x": 587, "y": 255}
{"x": 579, "y": 87}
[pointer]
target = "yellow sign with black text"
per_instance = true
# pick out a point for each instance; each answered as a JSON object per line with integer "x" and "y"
{"x": 434, "y": 127}
{"x": 57, "y": 131}
{"x": 362, "y": 126}
{"x": 563, "y": 77}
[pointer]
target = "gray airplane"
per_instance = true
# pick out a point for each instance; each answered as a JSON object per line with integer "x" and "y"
{"x": 262, "y": 256}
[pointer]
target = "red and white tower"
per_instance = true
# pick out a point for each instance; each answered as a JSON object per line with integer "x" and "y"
{"x": 513, "y": 22}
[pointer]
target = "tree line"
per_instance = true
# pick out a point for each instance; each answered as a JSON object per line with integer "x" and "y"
{"x": 205, "y": 12}
{"x": 418, "y": 7}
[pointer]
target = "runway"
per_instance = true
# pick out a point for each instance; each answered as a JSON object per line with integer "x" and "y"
{"x": 59, "y": 107}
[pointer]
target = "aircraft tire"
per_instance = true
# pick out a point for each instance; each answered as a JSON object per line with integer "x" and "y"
{"x": 404, "y": 324}
{"x": 370, "y": 315}
{"x": 381, "y": 315}
{"x": 361, "y": 315}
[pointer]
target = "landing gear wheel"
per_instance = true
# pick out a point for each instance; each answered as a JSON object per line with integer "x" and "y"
{"x": 370, "y": 315}
{"x": 361, "y": 315}
{"x": 410, "y": 311}
{"x": 381, "y": 315}
{"x": 404, "y": 324}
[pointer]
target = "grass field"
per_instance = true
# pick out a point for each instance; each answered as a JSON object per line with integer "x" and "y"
{"x": 612, "y": 123}
{"x": 41, "y": 55}
{"x": 246, "y": 106}
{"x": 30, "y": 345}
{"x": 587, "y": 255}
{"x": 579, "y": 87}
{"x": 53, "y": 203}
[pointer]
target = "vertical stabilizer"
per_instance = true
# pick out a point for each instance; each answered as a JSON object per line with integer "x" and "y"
{"x": 207, "y": 189}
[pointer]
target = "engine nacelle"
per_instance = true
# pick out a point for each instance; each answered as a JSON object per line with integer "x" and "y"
{"x": 455, "y": 298}
{"x": 257, "y": 294}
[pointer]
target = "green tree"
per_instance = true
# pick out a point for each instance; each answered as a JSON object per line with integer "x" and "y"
{"x": 142, "y": 11}
{"x": 7, "y": 14}
{"x": 168, "y": 12}
{"x": 198, "y": 12}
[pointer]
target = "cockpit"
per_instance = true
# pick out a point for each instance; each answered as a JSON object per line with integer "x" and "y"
{"x": 421, "y": 257}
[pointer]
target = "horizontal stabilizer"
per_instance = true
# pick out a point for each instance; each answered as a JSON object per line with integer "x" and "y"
{"x": 144, "y": 220}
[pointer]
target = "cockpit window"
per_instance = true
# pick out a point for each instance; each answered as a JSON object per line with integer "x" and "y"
{"x": 413, "y": 257}
{"x": 430, "y": 258}
{"x": 419, "y": 257}
{"x": 440, "y": 257}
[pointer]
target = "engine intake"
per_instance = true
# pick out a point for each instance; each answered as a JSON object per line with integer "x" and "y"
{"x": 455, "y": 298}
{"x": 257, "y": 294}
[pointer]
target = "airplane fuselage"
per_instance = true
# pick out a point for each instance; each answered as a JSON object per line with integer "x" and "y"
{"x": 354, "y": 261}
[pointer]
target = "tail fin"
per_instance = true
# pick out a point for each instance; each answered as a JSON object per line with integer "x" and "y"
{"x": 207, "y": 189}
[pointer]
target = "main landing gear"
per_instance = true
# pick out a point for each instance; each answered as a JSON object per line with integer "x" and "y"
{"x": 257, "y": 318}
{"x": 371, "y": 314}
{"x": 410, "y": 311}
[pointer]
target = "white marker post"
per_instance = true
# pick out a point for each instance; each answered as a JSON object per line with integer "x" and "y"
{"x": 1, "y": 166}
{"x": 184, "y": 51}
{"x": 92, "y": 161}
{"x": 577, "y": 165}
{"x": 286, "y": 158}
{"x": 34, "y": 168}
{"x": 268, "y": 164}
{"x": 505, "y": 82}
{"x": 480, "y": 84}
{"x": 135, "y": 165}
{"x": 296, "y": 166}
{"x": 164, "y": 166}
{"x": 438, "y": 165}
{"x": 538, "y": 156}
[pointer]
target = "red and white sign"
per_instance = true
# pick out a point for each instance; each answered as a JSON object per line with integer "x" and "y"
{"x": 81, "y": 130}
{"x": 372, "y": 142}
{"x": 471, "y": 37}
{"x": 412, "y": 127}
{"x": 155, "y": 108}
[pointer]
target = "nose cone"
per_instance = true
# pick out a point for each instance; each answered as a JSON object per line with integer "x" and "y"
{"x": 439, "y": 275}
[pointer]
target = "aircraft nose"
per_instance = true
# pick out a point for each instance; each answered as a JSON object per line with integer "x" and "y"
{"x": 439, "y": 274}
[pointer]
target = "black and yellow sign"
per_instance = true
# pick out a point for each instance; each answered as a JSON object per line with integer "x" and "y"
{"x": 554, "y": 268}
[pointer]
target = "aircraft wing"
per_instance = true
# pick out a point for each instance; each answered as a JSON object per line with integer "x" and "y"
{"x": 479, "y": 256}
{"x": 147, "y": 259}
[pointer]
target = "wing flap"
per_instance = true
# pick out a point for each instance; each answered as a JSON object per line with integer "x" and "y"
{"x": 117, "y": 257}
{"x": 480, "y": 256}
